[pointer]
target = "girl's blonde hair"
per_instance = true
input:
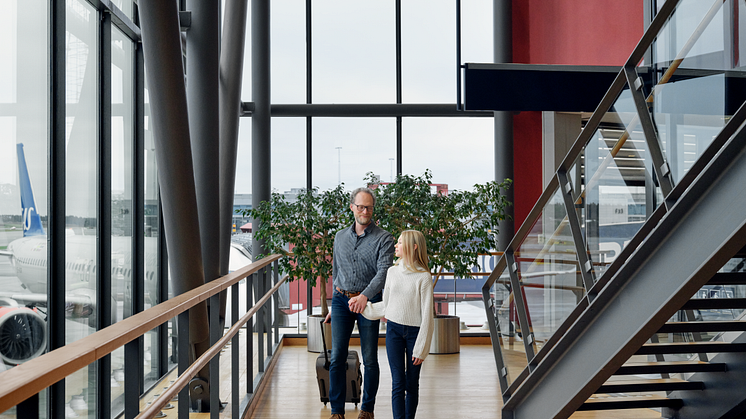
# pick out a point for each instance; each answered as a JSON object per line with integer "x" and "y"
{"x": 417, "y": 257}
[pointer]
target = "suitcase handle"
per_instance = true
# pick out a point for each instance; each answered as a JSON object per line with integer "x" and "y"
{"x": 323, "y": 340}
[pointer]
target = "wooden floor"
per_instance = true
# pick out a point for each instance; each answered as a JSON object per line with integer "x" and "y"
{"x": 463, "y": 385}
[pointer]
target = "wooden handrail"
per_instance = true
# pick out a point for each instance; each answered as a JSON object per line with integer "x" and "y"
{"x": 183, "y": 380}
{"x": 19, "y": 383}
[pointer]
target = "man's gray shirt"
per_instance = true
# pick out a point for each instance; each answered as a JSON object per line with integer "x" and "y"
{"x": 361, "y": 262}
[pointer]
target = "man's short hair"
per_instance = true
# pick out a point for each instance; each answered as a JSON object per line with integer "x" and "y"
{"x": 362, "y": 189}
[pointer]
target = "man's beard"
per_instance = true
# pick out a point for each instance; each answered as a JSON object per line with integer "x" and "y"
{"x": 362, "y": 220}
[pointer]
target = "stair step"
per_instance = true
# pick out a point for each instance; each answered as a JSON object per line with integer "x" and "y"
{"x": 608, "y": 403}
{"x": 728, "y": 278}
{"x": 708, "y": 326}
{"x": 714, "y": 304}
{"x": 661, "y": 384}
{"x": 673, "y": 367}
{"x": 690, "y": 348}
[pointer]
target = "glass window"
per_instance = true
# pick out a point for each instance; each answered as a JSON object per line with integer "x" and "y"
{"x": 345, "y": 150}
{"x": 428, "y": 52}
{"x": 288, "y": 154}
{"x": 288, "y": 48}
{"x": 469, "y": 143}
{"x": 81, "y": 181}
{"x": 353, "y": 52}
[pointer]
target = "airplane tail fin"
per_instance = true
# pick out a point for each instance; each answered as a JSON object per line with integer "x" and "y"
{"x": 31, "y": 220}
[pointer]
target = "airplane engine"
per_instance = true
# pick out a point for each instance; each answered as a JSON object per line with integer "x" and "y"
{"x": 23, "y": 334}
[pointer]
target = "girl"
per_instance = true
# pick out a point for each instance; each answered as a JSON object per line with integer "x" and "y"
{"x": 408, "y": 306}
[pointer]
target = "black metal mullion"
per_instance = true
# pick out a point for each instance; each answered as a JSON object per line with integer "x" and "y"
{"x": 235, "y": 349}
{"x": 103, "y": 251}
{"x": 661, "y": 167}
{"x": 309, "y": 127}
{"x": 520, "y": 305}
{"x": 56, "y": 192}
{"x": 182, "y": 323}
{"x": 161, "y": 273}
{"x": 138, "y": 198}
{"x": 215, "y": 334}
{"x": 585, "y": 262}
{"x": 276, "y": 272}
{"x": 260, "y": 319}
{"x": 250, "y": 280}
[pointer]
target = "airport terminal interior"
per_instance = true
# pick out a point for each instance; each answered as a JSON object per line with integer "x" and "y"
{"x": 136, "y": 136}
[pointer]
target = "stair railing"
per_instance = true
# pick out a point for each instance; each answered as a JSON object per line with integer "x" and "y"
{"x": 559, "y": 232}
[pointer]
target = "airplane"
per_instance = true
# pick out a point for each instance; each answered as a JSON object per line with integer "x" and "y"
{"x": 23, "y": 314}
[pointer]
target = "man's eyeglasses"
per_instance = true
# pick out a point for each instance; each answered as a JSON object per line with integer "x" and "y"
{"x": 362, "y": 208}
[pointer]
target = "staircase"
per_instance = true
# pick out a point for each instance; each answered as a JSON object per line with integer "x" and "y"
{"x": 642, "y": 334}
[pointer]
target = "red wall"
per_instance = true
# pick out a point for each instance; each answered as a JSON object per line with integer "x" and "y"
{"x": 570, "y": 32}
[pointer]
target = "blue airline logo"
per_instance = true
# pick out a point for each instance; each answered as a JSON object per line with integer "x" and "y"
{"x": 31, "y": 220}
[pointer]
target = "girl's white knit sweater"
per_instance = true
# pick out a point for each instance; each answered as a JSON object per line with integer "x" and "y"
{"x": 407, "y": 300}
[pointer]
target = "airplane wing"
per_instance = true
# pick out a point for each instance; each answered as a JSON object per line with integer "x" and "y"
{"x": 35, "y": 298}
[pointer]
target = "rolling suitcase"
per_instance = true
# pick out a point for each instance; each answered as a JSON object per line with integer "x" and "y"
{"x": 354, "y": 377}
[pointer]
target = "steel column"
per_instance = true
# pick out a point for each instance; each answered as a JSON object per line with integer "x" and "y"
{"x": 502, "y": 27}
{"x": 261, "y": 155}
{"x": 231, "y": 72}
{"x": 162, "y": 52}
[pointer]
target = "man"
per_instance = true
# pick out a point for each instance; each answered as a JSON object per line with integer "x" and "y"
{"x": 362, "y": 255}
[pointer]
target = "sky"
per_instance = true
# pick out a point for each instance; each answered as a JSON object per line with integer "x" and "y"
{"x": 353, "y": 62}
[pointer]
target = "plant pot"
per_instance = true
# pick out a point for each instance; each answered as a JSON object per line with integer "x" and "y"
{"x": 315, "y": 344}
{"x": 446, "y": 335}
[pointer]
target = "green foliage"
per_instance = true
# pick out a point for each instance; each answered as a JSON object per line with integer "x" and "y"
{"x": 303, "y": 231}
{"x": 457, "y": 226}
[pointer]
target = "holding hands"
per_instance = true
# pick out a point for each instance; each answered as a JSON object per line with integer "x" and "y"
{"x": 357, "y": 304}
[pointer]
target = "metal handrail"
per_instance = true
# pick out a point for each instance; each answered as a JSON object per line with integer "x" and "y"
{"x": 28, "y": 379}
{"x": 183, "y": 380}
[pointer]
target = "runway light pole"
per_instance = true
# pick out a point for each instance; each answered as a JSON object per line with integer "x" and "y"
{"x": 339, "y": 165}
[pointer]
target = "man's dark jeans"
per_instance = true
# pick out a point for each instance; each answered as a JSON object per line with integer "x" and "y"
{"x": 343, "y": 321}
{"x": 405, "y": 377}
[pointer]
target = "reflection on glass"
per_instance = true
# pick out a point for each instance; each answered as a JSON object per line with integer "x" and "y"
{"x": 614, "y": 172}
{"x": 23, "y": 129}
{"x": 694, "y": 93}
{"x": 122, "y": 127}
{"x": 81, "y": 181}
{"x": 508, "y": 329}
{"x": 551, "y": 284}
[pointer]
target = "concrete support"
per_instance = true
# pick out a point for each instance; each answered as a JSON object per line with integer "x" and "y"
{"x": 261, "y": 168}
{"x": 503, "y": 53}
{"x": 161, "y": 40}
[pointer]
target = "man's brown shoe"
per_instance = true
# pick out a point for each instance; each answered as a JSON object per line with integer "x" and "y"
{"x": 337, "y": 416}
{"x": 365, "y": 415}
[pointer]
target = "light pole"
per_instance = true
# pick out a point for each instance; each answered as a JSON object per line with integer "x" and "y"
{"x": 339, "y": 165}
{"x": 391, "y": 174}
